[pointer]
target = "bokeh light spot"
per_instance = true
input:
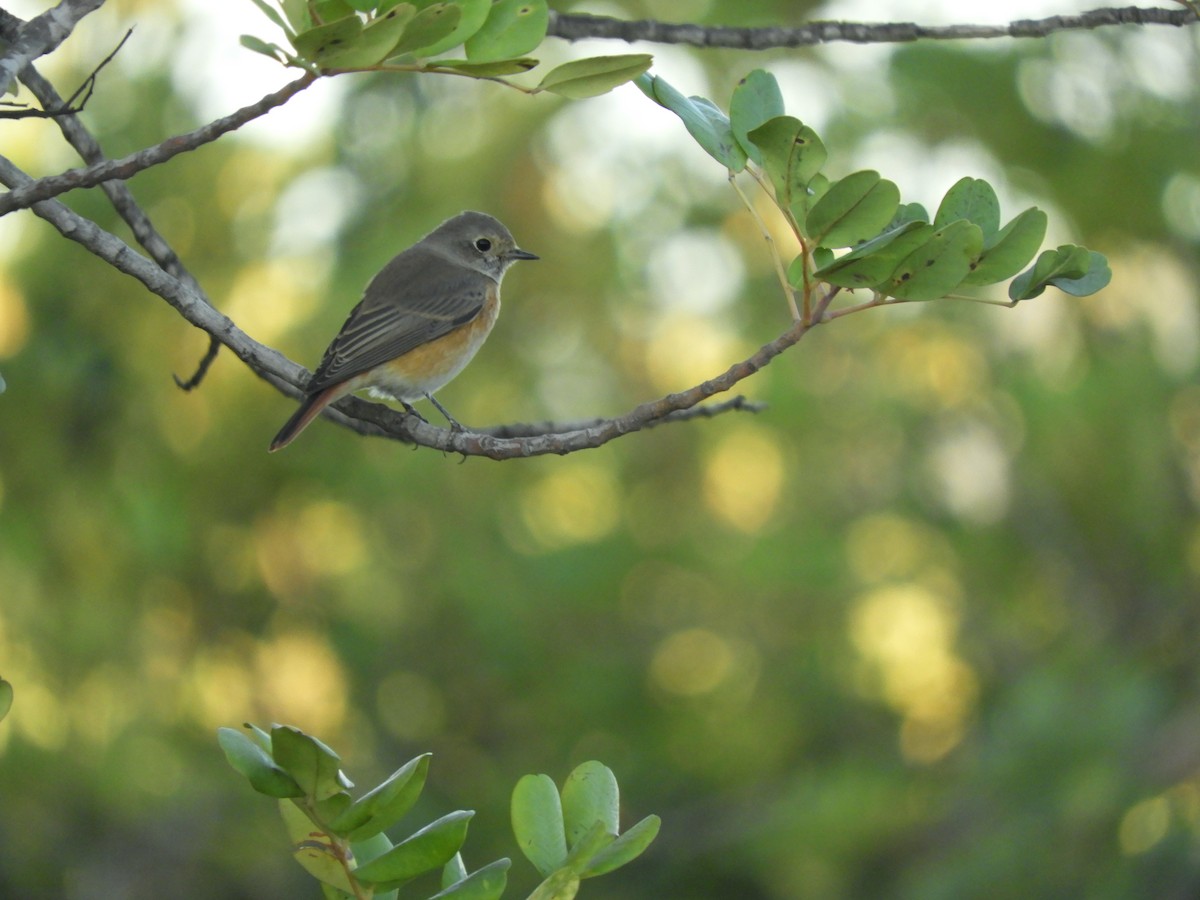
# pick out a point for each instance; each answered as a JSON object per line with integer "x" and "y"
{"x": 577, "y": 503}
{"x": 1144, "y": 825}
{"x": 14, "y": 319}
{"x": 410, "y": 706}
{"x": 691, "y": 662}
{"x": 743, "y": 478}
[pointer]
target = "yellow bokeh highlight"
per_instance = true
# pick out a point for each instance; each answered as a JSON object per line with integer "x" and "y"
{"x": 300, "y": 680}
{"x": 931, "y": 368}
{"x": 268, "y": 298}
{"x": 577, "y": 503}
{"x": 685, "y": 349}
{"x": 14, "y": 319}
{"x": 743, "y": 478}
{"x": 906, "y": 634}
{"x": 410, "y": 706}
{"x": 1144, "y": 825}
{"x": 886, "y": 546}
{"x": 324, "y": 539}
{"x": 691, "y": 662}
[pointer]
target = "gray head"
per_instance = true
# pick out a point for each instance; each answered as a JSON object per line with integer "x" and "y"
{"x": 478, "y": 241}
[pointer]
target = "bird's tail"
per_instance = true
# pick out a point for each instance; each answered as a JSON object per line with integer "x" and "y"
{"x": 309, "y": 409}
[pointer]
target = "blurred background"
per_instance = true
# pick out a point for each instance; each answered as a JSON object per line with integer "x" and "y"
{"x": 924, "y": 628}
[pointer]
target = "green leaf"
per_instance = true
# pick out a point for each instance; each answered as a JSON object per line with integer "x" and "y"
{"x": 871, "y": 264}
{"x": 939, "y": 265}
{"x": 590, "y": 795}
{"x": 472, "y": 15}
{"x": 454, "y": 871}
{"x": 707, "y": 125}
{"x": 513, "y": 28}
{"x": 792, "y": 155}
{"x": 385, "y": 805}
{"x": 822, "y": 256}
{"x": 909, "y": 212}
{"x": 595, "y": 75}
{"x": 974, "y": 200}
{"x": 624, "y": 849}
{"x": 1070, "y": 268}
{"x": 487, "y": 883}
{"x": 488, "y": 69}
{"x": 376, "y": 43}
{"x": 328, "y": 40}
{"x": 1010, "y": 248}
{"x": 537, "y": 822}
{"x": 591, "y": 842}
{"x": 271, "y": 13}
{"x": 6, "y": 697}
{"x": 258, "y": 45}
{"x": 330, "y": 10}
{"x": 297, "y": 14}
{"x": 756, "y": 100}
{"x": 430, "y": 848}
{"x": 252, "y": 761}
{"x": 560, "y": 885}
{"x": 854, "y": 209}
{"x": 310, "y": 762}
{"x": 429, "y": 26}
{"x": 313, "y": 848}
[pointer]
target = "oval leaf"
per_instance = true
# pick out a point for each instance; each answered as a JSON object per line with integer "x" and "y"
{"x": 430, "y": 848}
{"x": 756, "y": 99}
{"x": 487, "y": 69}
{"x": 310, "y": 762}
{"x": 1097, "y": 276}
{"x": 1010, "y": 248}
{"x": 791, "y": 153}
{"x": 595, "y": 75}
{"x": 313, "y": 848}
{"x": 471, "y": 16}
{"x": 384, "y": 806}
{"x": 853, "y": 210}
{"x": 513, "y": 28}
{"x": 427, "y": 27}
{"x": 939, "y": 265}
{"x": 624, "y": 849}
{"x": 377, "y": 42}
{"x": 590, "y": 795}
{"x": 487, "y": 883}
{"x": 327, "y": 40}
{"x": 972, "y": 199}
{"x": 1065, "y": 262}
{"x": 705, "y": 123}
{"x": 871, "y": 264}
{"x": 258, "y": 45}
{"x": 252, "y": 761}
{"x": 537, "y": 822}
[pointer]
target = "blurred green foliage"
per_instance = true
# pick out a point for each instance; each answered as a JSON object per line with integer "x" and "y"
{"x": 926, "y": 625}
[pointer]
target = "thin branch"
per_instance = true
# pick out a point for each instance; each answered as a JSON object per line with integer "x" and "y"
{"x": 40, "y": 35}
{"x": 53, "y": 185}
{"x": 574, "y": 27}
{"x": 376, "y": 418}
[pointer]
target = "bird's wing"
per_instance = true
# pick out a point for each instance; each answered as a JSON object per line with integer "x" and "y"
{"x": 405, "y": 305}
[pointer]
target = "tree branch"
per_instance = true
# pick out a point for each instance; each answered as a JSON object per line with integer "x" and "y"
{"x": 51, "y": 186}
{"x": 40, "y": 35}
{"x": 574, "y": 27}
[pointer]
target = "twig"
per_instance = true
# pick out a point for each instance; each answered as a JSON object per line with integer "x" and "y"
{"x": 53, "y": 185}
{"x": 574, "y": 27}
{"x": 67, "y": 107}
{"x": 40, "y": 35}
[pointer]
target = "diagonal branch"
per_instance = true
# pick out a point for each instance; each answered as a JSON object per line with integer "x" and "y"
{"x": 574, "y": 27}
{"x": 105, "y": 170}
{"x": 40, "y": 35}
{"x": 375, "y": 418}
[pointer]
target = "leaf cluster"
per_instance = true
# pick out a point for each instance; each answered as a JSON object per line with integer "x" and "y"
{"x": 341, "y": 841}
{"x": 894, "y": 249}
{"x": 333, "y": 36}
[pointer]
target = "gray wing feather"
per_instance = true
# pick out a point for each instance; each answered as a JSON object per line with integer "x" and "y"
{"x": 411, "y": 302}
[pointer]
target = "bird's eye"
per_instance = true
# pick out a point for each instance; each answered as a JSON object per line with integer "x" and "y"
{"x": 483, "y": 245}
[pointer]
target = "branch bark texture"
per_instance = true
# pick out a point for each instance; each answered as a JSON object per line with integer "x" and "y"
{"x": 40, "y": 35}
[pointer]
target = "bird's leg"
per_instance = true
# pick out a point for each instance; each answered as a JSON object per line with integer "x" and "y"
{"x": 409, "y": 410}
{"x": 454, "y": 424}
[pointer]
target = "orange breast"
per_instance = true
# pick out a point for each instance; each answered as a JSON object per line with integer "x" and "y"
{"x": 430, "y": 366}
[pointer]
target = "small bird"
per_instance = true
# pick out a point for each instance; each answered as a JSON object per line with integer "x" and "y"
{"x": 420, "y": 321}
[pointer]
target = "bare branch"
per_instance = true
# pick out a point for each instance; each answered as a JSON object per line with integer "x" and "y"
{"x": 40, "y": 35}
{"x": 574, "y": 27}
{"x": 53, "y": 185}
{"x": 375, "y": 418}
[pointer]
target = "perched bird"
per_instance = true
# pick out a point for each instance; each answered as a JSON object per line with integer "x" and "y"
{"x": 420, "y": 321}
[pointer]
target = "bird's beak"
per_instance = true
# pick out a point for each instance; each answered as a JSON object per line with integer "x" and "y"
{"x": 518, "y": 253}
